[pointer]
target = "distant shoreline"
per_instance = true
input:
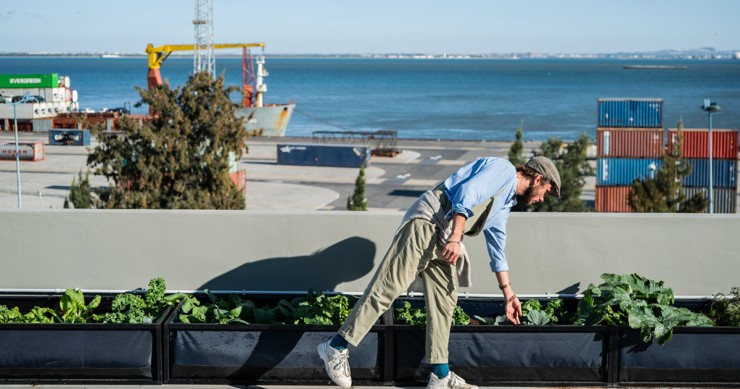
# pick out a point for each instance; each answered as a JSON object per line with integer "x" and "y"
{"x": 670, "y": 56}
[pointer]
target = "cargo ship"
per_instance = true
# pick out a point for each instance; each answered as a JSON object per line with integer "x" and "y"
{"x": 261, "y": 119}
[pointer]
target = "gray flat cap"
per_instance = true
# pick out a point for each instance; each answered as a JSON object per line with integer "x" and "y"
{"x": 547, "y": 169}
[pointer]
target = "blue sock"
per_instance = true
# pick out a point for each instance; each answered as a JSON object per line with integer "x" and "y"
{"x": 441, "y": 370}
{"x": 338, "y": 343}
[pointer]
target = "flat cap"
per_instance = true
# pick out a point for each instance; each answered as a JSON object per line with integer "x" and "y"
{"x": 547, "y": 169}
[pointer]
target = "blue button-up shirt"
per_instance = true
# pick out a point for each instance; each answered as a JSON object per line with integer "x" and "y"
{"x": 474, "y": 184}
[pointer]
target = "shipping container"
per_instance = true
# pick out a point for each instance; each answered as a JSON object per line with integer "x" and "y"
{"x": 725, "y": 199}
{"x": 27, "y": 151}
{"x": 69, "y": 137}
{"x": 724, "y": 173}
{"x": 630, "y": 113}
{"x": 29, "y": 80}
{"x": 612, "y": 199}
{"x": 323, "y": 155}
{"x": 622, "y": 171}
{"x": 629, "y": 142}
{"x": 696, "y": 143}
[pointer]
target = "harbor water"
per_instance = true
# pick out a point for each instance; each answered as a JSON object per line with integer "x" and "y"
{"x": 432, "y": 98}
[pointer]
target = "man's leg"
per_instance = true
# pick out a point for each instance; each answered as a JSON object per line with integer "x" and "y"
{"x": 398, "y": 269}
{"x": 414, "y": 243}
{"x": 440, "y": 295}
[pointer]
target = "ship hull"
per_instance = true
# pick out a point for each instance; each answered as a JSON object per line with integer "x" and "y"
{"x": 270, "y": 120}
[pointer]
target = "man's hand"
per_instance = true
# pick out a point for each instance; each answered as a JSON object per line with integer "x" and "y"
{"x": 451, "y": 251}
{"x": 514, "y": 310}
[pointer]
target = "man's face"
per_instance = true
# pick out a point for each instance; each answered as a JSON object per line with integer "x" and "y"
{"x": 537, "y": 190}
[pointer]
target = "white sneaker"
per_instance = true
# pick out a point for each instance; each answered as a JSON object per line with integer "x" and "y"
{"x": 451, "y": 381}
{"x": 336, "y": 364}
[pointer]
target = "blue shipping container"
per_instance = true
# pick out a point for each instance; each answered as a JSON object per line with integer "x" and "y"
{"x": 724, "y": 173}
{"x": 634, "y": 113}
{"x": 622, "y": 171}
{"x": 69, "y": 137}
{"x": 323, "y": 155}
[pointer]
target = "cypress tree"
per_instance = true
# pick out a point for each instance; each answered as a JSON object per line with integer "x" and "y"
{"x": 664, "y": 192}
{"x": 517, "y": 148}
{"x": 180, "y": 158}
{"x": 358, "y": 201}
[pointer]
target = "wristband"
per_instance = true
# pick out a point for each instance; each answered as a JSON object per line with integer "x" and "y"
{"x": 511, "y": 299}
{"x": 453, "y": 241}
{"x": 504, "y": 286}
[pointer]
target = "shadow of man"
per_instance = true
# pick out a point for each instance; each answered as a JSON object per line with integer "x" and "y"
{"x": 323, "y": 270}
{"x": 277, "y": 353}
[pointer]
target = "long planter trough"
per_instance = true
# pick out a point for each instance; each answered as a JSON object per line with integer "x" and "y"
{"x": 509, "y": 355}
{"x": 78, "y": 353}
{"x": 695, "y": 356}
{"x": 262, "y": 354}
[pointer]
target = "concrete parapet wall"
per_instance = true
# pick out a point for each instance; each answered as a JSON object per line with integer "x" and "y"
{"x": 294, "y": 251}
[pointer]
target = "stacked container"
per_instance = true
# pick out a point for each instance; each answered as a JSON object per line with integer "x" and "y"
{"x": 695, "y": 151}
{"x": 629, "y": 145}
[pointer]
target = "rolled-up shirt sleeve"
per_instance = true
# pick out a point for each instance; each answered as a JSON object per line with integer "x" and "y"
{"x": 477, "y": 182}
{"x": 496, "y": 243}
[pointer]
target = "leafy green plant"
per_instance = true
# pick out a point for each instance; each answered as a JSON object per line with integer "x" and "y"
{"x": 633, "y": 301}
{"x": 725, "y": 309}
{"x": 133, "y": 308}
{"x": 407, "y": 314}
{"x": 233, "y": 310}
{"x": 533, "y": 313}
{"x": 318, "y": 308}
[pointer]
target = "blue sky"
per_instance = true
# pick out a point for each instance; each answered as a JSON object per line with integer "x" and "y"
{"x": 379, "y": 26}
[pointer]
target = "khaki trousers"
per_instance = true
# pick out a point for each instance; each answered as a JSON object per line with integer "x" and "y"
{"x": 413, "y": 252}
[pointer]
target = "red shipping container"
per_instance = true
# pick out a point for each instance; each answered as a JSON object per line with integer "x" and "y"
{"x": 612, "y": 199}
{"x": 629, "y": 142}
{"x": 696, "y": 143}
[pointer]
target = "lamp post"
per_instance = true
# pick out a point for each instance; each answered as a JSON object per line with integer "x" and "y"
{"x": 710, "y": 108}
{"x": 17, "y": 156}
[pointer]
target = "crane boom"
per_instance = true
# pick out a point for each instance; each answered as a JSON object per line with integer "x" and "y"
{"x": 157, "y": 55}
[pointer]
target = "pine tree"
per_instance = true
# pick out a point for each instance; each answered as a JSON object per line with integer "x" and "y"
{"x": 80, "y": 194}
{"x": 358, "y": 202}
{"x": 179, "y": 159}
{"x": 573, "y": 167}
{"x": 516, "y": 150}
{"x": 664, "y": 192}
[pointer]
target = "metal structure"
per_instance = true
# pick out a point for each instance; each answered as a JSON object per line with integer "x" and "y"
{"x": 710, "y": 108}
{"x": 17, "y": 151}
{"x": 383, "y": 143}
{"x": 203, "y": 58}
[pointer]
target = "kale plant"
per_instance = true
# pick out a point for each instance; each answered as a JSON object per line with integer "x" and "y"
{"x": 725, "y": 309}
{"x": 633, "y": 301}
{"x": 418, "y": 316}
{"x": 133, "y": 308}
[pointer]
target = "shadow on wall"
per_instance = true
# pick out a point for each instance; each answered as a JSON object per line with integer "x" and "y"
{"x": 323, "y": 270}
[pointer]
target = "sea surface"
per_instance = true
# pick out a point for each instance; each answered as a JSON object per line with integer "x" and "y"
{"x": 472, "y": 99}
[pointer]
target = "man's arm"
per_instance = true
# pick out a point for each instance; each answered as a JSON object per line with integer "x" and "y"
{"x": 451, "y": 251}
{"x": 512, "y": 306}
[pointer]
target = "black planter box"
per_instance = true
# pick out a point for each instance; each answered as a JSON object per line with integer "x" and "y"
{"x": 507, "y": 354}
{"x": 78, "y": 353}
{"x": 262, "y": 354}
{"x": 695, "y": 356}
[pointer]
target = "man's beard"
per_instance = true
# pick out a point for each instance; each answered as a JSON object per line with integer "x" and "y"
{"x": 527, "y": 196}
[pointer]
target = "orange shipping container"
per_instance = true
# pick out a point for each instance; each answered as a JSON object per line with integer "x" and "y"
{"x": 629, "y": 142}
{"x": 696, "y": 143}
{"x": 612, "y": 199}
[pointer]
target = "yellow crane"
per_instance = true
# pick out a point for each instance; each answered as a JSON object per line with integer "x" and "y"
{"x": 157, "y": 55}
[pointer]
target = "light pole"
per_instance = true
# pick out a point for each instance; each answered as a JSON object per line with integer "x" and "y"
{"x": 17, "y": 156}
{"x": 710, "y": 108}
